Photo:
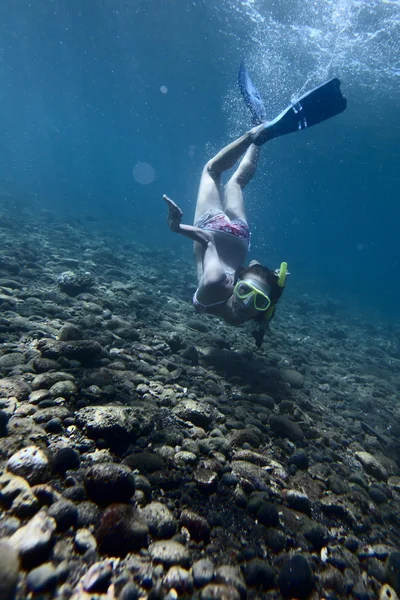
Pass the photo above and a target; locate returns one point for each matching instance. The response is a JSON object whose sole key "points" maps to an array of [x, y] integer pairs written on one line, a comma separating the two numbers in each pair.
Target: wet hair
{"points": [[269, 277]]}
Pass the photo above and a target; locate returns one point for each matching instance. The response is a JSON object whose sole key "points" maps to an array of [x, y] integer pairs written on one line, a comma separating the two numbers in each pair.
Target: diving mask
{"points": [[250, 294]]}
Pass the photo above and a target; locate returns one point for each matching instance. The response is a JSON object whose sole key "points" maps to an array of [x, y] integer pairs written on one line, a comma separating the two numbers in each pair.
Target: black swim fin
{"points": [[320, 104], [251, 96]]}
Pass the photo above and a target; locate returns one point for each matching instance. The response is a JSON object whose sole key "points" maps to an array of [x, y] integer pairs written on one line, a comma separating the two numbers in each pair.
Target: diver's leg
{"points": [[209, 196], [233, 196]]}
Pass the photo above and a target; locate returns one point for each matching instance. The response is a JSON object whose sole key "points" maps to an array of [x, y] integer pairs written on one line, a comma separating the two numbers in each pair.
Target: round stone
{"points": [[42, 579], [30, 463], [296, 578], [65, 514], [9, 566], [121, 530], [170, 553], [107, 483], [160, 520], [203, 572]]}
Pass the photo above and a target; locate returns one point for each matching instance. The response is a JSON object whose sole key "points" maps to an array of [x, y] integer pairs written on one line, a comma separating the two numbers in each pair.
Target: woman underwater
{"points": [[226, 288]]}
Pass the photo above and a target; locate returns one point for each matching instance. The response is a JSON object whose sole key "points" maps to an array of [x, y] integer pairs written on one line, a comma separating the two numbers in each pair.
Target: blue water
{"points": [[91, 89]]}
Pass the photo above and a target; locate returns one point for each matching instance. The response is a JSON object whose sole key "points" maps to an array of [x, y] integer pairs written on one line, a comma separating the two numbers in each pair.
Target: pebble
{"points": [[14, 388], [393, 571], [169, 553], [185, 458], [65, 459], [316, 535], [218, 591], [31, 463], [215, 444], [259, 573], [145, 462], [387, 593], [118, 425], [161, 521], [298, 501], [109, 482], [299, 458], [351, 543], [85, 351], [197, 525], [285, 428], [267, 514], [4, 418], [37, 396], [65, 514], [75, 493], [11, 360], [41, 365], [372, 466], [34, 540], [11, 486], [244, 436], [333, 580], [295, 378], [194, 412], [45, 381], [232, 576], [377, 495], [203, 572], [121, 529], [63, 389], [179, 579], [296, 578], [9, 568], [69, 332], [8, 526], [98, 577], [88, 514], [25, 504], [333, 507], [275, 539], [42, 579], [54, 425], [84, 540], [251, 457], [130, 591], [205, 478]]}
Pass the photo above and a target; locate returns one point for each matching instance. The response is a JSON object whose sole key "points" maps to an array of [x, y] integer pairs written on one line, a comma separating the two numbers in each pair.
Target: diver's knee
{"points": [[211, 170], [237, 180]]}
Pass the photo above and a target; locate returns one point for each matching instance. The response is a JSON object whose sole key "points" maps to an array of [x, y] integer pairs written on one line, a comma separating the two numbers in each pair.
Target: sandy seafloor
{"points": [[149, 452]]}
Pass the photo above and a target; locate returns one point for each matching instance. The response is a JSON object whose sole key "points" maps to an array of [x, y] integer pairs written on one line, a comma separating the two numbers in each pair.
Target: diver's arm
{"points": [[190, 231], [213, 273], [196, 234]]}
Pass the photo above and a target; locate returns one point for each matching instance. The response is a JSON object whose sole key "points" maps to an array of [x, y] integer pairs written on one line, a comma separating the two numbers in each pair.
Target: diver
{"points": [[221, 235]]}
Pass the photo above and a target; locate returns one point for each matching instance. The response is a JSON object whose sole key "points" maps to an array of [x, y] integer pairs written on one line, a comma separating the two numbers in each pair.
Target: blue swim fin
{"points": [[251, 96], [320, 104]]}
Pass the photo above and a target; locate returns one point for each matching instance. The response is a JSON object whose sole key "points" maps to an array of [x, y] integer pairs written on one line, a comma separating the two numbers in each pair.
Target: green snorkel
{"points": [[282, 275]]}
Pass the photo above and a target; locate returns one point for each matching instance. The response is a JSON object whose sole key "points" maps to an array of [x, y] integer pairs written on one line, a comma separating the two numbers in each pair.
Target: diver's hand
{"points": [[174, 214], [258, 335]]}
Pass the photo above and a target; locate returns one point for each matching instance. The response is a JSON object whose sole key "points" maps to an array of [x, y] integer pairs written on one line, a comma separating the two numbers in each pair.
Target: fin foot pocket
{"points": [[320, 104]]}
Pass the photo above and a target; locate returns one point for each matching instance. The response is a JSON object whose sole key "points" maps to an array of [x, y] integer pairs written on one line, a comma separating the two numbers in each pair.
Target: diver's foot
{"points": [[261, 134]]}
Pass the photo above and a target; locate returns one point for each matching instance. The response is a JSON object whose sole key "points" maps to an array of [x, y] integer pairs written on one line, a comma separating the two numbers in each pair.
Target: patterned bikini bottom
{"points": [[221, 222]]}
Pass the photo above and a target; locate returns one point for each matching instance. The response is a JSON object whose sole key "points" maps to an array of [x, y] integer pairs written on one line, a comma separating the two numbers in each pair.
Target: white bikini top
{"points": [[200, 307]]}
